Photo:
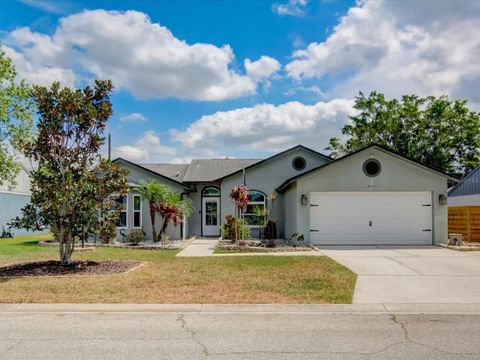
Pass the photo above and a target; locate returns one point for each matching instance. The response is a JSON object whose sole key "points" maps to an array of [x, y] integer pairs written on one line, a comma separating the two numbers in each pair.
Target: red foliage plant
{"points": [[239, 195]]}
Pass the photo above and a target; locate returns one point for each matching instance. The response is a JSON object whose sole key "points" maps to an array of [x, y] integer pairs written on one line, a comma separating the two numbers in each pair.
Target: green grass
{"points": [[23, 246], [168, 279]]}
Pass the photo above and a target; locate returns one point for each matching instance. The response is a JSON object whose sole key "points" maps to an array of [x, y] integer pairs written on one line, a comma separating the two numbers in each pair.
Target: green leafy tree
{"points": [[436, 131], [96, 214], [73, 187], [16, 118]]}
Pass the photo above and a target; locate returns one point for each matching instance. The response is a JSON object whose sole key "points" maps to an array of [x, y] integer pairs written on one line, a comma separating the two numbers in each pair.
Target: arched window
{"points": [[255, 215], [210, 191]]}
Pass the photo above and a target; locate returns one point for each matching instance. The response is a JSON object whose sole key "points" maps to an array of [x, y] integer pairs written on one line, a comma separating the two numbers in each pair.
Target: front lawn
{"points": [[168, 279]]}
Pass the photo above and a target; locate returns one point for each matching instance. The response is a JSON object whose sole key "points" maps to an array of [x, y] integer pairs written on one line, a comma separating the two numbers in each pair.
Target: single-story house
{"points": [[13, 199], [372, 196], [464, 206], [467, 191]]}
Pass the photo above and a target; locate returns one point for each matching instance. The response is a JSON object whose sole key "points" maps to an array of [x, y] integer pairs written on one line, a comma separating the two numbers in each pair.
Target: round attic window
{"points": [[372, 167], [299, 163]]}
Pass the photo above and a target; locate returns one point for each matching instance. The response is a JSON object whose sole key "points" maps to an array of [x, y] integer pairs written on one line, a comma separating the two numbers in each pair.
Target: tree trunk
{"points": [[164, 228], [66, 246], [152, 219]]}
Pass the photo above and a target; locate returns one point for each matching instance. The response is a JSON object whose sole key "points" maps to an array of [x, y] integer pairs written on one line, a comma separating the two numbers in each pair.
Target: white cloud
{"points": [[261, 69], [292, 8], [37, 73], [265, 127], [54, 7], [133, 117], [306, 89], [146, 148], [398, 47], [137, 54]]}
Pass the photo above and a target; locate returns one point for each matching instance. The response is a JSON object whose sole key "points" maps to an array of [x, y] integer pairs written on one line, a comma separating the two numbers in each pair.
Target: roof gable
{"points": [[258, 163], [287, 183], [469, 185]]}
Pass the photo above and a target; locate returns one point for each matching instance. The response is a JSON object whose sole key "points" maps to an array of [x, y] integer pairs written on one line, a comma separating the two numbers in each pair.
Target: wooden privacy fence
{"points": [[465, 220]]}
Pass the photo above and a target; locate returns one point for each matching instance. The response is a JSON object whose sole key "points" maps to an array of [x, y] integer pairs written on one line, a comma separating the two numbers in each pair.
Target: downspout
{"points": [[240, 210], [184, 220]]}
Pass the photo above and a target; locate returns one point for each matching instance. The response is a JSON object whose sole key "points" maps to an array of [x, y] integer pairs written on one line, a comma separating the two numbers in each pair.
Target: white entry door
{"points": [[211, 216], [371, 218]]}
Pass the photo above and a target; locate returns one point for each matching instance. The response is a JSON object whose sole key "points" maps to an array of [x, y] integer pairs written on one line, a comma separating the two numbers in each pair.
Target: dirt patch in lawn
{"points": [[75, 268]]}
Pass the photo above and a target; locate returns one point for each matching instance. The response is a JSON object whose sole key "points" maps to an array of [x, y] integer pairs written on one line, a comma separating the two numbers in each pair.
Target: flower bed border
{"points": [[474, 247], [92, 246], [264, 249]]}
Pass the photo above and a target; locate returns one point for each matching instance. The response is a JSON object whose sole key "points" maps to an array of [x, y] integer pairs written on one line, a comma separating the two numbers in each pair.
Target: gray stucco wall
{"points": [[290, 210], [396, 175], [266, 177], [14, 198], [10, 207], [135, 175], [22, 179]]}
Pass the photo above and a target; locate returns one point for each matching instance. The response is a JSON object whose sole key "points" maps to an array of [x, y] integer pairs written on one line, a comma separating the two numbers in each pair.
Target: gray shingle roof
{"points": [[200, 170], [470, 185], [213, 169], [172, 171]]}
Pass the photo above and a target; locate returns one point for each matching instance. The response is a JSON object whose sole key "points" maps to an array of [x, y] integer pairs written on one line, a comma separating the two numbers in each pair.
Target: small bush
{"points": [[6, 233], [232, 226], [108, 232], [296, 239], [135, 237], [270, 231]]}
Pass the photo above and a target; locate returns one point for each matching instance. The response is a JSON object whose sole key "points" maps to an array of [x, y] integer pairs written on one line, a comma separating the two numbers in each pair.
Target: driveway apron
{"points": [[427, 274]]}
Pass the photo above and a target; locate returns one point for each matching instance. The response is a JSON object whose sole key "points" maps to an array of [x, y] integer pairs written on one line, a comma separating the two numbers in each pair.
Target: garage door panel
{"points": [[338, 239], [335, 223], [412, 211], [407, 239], [396, 218], [405, 224], [375, 198]]}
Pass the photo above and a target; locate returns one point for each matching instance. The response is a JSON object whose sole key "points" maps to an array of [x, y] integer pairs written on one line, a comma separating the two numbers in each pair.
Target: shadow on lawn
{"points": [[28, 243]]}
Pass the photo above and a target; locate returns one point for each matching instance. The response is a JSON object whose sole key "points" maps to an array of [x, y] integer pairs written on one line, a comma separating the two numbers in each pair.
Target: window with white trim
{"points": [[254, 215], [137, 211], [121, 203]]}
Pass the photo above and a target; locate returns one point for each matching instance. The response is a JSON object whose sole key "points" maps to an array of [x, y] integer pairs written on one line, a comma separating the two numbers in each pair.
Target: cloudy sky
{"points": [[196, 79]]}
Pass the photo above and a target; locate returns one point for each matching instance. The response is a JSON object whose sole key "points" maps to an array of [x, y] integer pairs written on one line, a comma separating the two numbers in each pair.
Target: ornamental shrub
{"points": [[234, 228], [135, 237]]}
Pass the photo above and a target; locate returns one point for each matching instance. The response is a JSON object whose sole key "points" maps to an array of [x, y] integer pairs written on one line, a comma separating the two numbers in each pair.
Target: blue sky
{"points": [[241, 78]]}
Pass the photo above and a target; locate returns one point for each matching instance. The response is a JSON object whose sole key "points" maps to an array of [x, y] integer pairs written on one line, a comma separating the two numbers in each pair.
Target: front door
{"points": [[210, 216]]}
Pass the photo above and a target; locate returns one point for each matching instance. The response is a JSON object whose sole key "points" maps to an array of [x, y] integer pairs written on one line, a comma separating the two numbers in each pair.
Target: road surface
{"points": [[270, 332]]}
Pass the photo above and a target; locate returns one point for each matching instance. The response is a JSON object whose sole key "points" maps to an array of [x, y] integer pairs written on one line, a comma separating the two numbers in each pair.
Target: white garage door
{"points": [[371, 218]]}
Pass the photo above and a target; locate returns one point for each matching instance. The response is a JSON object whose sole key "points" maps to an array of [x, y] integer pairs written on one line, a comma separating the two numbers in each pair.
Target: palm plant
{"points": [[155, 194], [173, 210]]}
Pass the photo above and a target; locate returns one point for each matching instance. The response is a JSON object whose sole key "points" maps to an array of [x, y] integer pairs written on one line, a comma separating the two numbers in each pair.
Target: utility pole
{"points": [[109, 147]]}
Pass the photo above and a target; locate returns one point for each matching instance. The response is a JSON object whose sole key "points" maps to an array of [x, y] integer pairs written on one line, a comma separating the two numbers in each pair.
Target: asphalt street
{"points": [[246, 333]]}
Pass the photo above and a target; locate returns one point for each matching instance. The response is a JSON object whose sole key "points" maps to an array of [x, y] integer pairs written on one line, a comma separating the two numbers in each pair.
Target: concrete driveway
{"points": [[411, 274]]}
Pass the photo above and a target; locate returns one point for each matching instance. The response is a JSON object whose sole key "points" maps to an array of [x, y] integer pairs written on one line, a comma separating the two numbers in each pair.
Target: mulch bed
{"points": [[264, 249], [77, 267]]}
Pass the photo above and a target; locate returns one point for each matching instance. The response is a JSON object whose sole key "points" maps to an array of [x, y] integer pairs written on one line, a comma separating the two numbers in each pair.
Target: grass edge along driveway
{"points": [[168, 279]]}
